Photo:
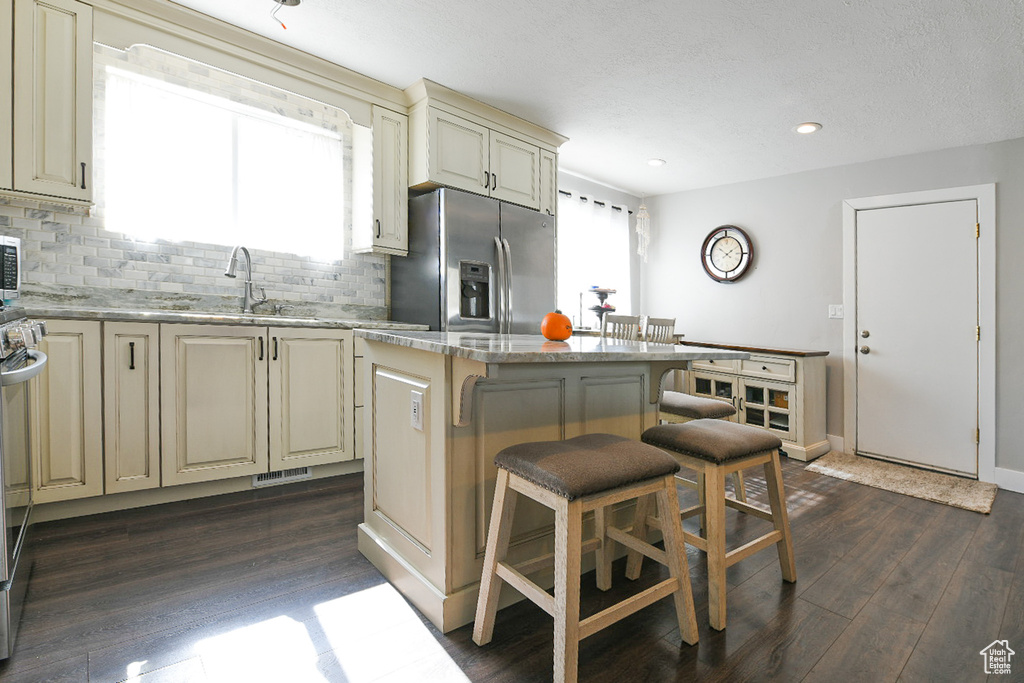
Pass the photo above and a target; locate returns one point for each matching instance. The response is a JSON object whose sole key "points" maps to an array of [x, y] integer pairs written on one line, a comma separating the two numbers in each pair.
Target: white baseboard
{"points": [[1010, 480], [837, 443]]}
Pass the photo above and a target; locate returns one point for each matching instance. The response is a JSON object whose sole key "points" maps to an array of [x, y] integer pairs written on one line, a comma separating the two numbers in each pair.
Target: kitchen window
{"points": [[593, 251], [188, 163]]}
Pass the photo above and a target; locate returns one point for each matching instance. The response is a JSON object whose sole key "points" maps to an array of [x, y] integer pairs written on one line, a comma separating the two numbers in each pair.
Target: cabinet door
{"points": [[53, 98], [515, 170], [65, 414], [213, 402], [311, 410], [390, 182], [548, 182], [457, 152], [6, 94], [131, 402], [710, 385], [770, 405]]}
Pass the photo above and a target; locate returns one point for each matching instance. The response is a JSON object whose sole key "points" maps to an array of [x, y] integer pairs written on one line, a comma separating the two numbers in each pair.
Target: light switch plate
{"points": [[835, 310], [416, 410]]}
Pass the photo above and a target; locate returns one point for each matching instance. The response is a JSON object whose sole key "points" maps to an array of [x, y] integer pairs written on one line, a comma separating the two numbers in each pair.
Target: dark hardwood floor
{"points": [[269, 586]]}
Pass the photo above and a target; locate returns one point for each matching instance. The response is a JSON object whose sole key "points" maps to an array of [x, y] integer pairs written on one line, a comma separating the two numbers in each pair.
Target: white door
{"points": [[917, 317]]}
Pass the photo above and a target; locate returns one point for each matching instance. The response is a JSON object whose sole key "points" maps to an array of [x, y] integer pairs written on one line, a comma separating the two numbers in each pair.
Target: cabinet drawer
{"points": [[770, 368], [731, 366]]}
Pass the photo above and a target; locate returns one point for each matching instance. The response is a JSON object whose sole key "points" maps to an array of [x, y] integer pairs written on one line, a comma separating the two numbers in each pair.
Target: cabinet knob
{"points": [[865, 350], [865, 334]]}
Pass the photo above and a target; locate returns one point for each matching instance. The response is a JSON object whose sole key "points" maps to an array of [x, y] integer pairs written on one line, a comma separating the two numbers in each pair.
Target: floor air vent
{"points": [[281, 477]]}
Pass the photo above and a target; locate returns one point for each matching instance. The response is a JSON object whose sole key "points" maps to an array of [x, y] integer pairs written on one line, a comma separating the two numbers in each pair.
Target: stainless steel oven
{"points": [[20, 361]]}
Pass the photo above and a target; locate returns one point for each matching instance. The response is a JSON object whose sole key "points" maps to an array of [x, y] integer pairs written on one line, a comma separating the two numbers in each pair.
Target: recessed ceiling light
{"points": [[808, 128], [656, 162]]}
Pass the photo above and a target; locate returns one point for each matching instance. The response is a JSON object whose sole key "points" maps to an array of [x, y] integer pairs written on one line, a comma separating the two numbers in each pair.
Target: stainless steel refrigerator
{"points": [[475, 264]]}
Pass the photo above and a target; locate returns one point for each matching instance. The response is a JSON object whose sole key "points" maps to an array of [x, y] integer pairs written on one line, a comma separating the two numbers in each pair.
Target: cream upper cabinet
{"points": [[311, 420], [213, 402], [65, 414], [548, 182], [6, 96], [457, 152], [53, 98], [131, 406], [515, 170], [456, 141], [380, 185]]}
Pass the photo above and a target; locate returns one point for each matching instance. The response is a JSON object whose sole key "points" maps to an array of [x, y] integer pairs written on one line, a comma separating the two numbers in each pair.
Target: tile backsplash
{"points": [[70, 259]]}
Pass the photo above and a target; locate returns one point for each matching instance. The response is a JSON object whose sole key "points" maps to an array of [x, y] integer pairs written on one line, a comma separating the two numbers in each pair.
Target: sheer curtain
{"points": [[184, 165], [593, 250]]}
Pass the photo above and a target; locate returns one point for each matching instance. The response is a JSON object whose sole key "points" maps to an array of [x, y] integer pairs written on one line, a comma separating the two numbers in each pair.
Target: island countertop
{"points": [[529, 348]]}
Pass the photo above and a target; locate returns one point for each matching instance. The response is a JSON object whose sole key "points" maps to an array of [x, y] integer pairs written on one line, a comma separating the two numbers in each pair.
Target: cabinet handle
{"points": [[740, 404], [764, 367], [378, 228], [487, 180], [711, 361], [131, 355], [83, 175], [275, 348], [261, 348], [494, 181]]}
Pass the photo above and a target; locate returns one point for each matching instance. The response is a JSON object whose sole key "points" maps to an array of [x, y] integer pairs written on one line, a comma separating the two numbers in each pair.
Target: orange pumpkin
{"points": [[556, 326]]}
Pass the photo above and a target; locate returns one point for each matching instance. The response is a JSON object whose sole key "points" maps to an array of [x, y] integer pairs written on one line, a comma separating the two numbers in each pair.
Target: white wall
{"points": [[795, 222]]}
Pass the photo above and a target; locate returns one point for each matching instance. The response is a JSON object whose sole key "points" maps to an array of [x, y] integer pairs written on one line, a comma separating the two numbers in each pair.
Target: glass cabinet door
{"points": [[713, 386], [766, 405]]}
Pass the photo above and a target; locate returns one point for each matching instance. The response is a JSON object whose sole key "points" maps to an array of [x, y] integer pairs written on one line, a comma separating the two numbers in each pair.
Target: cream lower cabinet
{"points": [[311, 421], [239, 400], [131, 406], [213, 402], [65, 414]]}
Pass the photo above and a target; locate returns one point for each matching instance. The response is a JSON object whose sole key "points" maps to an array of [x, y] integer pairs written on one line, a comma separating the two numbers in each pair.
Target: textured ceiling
{"points": [[713, 87]]}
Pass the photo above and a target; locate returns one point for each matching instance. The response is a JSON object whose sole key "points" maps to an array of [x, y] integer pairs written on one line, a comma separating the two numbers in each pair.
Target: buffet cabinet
{"points": [[777, 390], [132, 406]]}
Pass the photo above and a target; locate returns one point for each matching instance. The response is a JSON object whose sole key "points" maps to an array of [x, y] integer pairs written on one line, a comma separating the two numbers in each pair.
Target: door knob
{"points": [[865, 349], [865, 334]]}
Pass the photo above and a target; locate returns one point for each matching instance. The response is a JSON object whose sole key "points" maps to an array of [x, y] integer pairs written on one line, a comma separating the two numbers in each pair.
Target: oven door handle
{"points": [[26, 373]]}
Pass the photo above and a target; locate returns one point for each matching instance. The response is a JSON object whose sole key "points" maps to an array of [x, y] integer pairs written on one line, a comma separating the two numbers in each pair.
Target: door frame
{"points": [[985, 195]]}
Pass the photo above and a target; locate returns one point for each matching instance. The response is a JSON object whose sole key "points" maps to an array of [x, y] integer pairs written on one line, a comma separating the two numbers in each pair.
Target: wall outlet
{"points": [[416, 410], [835, 310]]}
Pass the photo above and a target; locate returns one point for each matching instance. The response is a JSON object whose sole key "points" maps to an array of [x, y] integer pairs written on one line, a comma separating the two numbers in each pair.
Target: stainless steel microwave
{"points": [[10, 267]]}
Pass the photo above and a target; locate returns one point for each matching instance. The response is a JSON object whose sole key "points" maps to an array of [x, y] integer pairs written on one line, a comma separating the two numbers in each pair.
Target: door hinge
{"points": [[977, 436], [977, 333], [977, 229]]}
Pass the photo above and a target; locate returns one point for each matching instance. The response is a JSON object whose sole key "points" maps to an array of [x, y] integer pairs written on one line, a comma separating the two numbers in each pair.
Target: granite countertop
{"points": [[129, 315], [529, 348]]}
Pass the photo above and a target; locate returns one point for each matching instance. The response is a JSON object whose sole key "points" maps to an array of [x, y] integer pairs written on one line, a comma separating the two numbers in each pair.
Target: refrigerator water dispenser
{"points": [[475, 286]]}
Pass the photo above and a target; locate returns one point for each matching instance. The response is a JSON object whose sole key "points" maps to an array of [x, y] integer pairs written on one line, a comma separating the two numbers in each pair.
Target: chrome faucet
{"points": [[249, 300]]}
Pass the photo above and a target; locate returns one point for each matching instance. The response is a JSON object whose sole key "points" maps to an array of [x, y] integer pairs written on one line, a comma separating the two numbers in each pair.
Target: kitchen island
{"points": [[441, 405]]}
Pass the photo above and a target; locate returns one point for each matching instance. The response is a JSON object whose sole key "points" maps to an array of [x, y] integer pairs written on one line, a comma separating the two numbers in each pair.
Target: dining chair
{"points": [[661, 330], [624, 327]]}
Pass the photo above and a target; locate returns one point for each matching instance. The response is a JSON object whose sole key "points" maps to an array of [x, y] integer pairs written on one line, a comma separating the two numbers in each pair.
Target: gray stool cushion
{"points": [[587, 464], [694, 407], [712, 440]]}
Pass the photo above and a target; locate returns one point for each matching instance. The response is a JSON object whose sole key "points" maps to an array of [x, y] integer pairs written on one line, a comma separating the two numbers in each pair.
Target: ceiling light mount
{"points": [[280, 3], [807, 128], [656, 162]]}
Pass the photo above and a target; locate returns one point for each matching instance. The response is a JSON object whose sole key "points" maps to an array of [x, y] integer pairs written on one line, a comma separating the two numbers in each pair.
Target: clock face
{"points": [[727, 253]]}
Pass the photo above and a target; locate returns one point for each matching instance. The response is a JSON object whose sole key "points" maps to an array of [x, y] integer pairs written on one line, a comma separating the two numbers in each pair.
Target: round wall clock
{"points": [[727, 253]]}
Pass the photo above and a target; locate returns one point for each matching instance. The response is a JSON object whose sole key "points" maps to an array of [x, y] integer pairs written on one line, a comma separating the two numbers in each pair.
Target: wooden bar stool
{"points": [[679, 408], [715, 448], [572, 477]]}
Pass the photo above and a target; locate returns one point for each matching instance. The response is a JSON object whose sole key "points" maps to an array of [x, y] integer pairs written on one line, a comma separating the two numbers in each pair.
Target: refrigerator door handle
{"points": [[508, 283], [499, 292]]}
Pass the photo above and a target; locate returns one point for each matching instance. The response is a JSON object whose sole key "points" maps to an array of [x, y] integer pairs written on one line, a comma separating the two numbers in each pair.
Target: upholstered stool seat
{"points": [[714, 449], [591, 472], [694, 407]]}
